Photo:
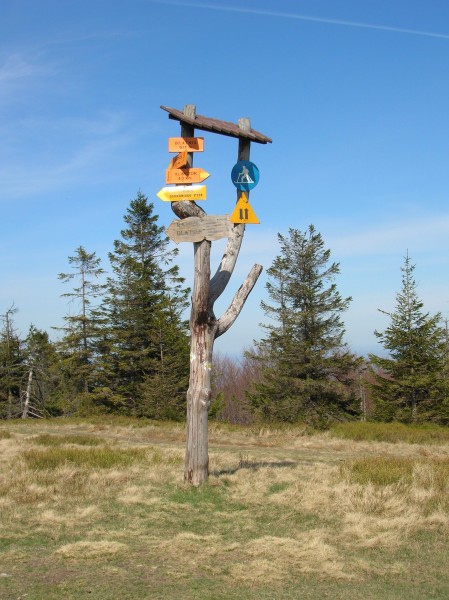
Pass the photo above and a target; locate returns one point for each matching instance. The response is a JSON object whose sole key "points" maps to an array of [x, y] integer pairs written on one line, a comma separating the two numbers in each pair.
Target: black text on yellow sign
{"points": [[243, 212]]}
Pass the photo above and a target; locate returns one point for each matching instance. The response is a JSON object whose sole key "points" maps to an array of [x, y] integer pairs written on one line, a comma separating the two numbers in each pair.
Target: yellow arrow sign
{"points": [[182, 192], [190, 144], [185, 175], [243, 212]]}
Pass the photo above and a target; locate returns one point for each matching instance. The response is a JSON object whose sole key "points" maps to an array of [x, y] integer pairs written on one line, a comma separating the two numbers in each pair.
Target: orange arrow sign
{"points": [[179, 161], [185, 175], [182, 192], [190, 144], [243, 212]]}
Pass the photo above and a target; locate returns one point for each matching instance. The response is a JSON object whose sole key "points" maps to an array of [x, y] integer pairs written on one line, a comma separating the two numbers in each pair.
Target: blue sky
{"points": [[354, 94]]}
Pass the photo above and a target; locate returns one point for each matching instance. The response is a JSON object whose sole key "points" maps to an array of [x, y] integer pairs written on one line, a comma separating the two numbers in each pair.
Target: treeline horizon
{"points": [[125, 348]]}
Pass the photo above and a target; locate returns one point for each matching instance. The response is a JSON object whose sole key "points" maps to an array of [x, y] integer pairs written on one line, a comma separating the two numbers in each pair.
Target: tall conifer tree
{"points": [[308, 366], [410, 383], [78, 346], [11, 360], [41, 390], [145, 352]]}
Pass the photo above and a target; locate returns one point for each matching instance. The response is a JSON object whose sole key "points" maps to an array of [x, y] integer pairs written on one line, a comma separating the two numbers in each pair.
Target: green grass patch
{"points": [[391, 432], [379, 470], [159, 457], [277, 487], [5, 435], [390, 470], [96, 458], [441, 474], [46, 439], [104, 421], [207, 495]]}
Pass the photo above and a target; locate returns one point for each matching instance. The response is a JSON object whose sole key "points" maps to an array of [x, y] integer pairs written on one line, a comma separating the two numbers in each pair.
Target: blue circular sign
{"points": [[245, 175]]}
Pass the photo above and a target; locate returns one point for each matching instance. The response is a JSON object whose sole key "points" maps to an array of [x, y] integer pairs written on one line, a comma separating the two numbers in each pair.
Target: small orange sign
{"points": [[243, 212], [179, 161], [190, 144], [185, 175]]}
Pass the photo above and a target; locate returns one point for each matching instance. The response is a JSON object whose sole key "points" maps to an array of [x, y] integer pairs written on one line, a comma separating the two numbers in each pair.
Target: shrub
{"points": [[391, 432], [46, 439], [97, 458]]}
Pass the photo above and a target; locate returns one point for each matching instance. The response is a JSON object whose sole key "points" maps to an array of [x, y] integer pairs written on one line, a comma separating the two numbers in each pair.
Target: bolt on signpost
{"points": [[194, 225]]}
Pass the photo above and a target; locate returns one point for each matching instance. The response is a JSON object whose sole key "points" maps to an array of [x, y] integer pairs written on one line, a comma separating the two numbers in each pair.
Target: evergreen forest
{"points": [[124, 346]]}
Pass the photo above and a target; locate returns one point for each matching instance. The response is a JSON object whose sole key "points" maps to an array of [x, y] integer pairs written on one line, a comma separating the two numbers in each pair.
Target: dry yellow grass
{"points": [[278, 509], [85, 550]]}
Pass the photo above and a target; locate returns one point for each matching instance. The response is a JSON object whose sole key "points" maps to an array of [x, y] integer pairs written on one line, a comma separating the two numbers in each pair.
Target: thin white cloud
{"points": [[300, 17], [419, 233], [75, 150], [20, 64], [34, 64], [359, 252], [15, 67], [17, 70]]}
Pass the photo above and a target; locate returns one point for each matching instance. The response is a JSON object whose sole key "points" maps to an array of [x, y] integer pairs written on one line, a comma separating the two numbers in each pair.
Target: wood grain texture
{"points": [[196, 229]]}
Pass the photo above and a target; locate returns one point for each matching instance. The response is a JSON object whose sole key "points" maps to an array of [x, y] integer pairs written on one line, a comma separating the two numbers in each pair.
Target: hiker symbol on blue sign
{"points": [[245, 175]]}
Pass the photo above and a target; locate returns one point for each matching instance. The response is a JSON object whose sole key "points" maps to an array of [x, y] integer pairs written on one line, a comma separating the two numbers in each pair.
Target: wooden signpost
{"points": [[205, 327], [195, 229]]}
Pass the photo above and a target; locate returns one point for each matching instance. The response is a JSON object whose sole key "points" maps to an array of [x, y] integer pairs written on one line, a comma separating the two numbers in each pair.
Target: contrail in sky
{"points": [[272, 13]]}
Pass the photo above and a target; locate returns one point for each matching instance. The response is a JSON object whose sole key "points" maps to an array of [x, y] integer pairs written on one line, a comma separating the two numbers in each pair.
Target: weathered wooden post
{"points": [[204, 325]]}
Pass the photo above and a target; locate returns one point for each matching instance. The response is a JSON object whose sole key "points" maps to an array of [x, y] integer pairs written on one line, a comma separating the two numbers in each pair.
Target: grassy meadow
{"points": [[98, 509]]}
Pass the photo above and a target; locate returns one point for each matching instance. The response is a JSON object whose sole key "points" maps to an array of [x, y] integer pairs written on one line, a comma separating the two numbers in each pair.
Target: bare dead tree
{"points": [[231, 379]]}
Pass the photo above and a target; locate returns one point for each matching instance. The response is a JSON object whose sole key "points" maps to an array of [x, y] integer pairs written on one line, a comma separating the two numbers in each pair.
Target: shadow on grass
{"points": [[245, 463]]}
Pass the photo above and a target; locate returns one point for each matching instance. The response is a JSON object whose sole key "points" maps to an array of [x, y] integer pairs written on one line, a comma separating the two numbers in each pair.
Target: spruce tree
{"points": [[11, 362], [41, 381], [307, 366], [78, 347], [410, 384], [145, 349]]}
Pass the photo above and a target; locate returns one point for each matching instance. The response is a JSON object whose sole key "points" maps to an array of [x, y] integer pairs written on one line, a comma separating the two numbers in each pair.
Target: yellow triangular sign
{"points": [[243, 212]]}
